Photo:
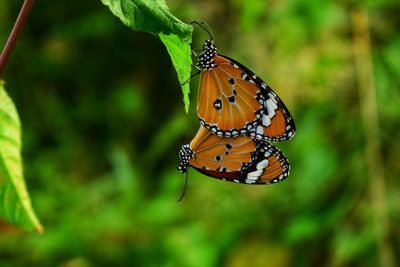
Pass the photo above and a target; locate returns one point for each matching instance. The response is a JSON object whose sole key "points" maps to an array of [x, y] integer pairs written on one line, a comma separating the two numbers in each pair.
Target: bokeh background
{"points": [[102, 116]]}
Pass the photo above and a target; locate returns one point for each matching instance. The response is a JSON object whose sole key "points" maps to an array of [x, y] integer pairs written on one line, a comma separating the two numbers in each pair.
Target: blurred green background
{"points": [[102, 116]]}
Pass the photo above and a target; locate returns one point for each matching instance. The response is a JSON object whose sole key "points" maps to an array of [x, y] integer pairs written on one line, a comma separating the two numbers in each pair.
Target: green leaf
{"points": [[180, 53], [15, 205], [154, 17]]}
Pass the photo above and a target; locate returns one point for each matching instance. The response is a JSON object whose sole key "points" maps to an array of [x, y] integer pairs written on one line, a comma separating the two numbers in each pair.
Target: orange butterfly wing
{"points": [[220, 154], [276, 123], [237, 159], [271, 166], [227, 103]]}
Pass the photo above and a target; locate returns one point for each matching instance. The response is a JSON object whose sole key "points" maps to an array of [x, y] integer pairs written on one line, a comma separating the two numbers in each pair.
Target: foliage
{"points": [[154, 17], [101, 118], [15, 205]]}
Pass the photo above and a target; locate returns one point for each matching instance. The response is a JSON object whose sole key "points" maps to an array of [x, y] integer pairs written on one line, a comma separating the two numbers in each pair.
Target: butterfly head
{"points": [[185, 154], [209, 45]]}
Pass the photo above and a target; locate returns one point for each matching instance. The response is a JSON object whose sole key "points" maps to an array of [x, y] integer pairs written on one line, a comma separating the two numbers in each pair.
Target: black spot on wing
{"points": [[217, 104]]}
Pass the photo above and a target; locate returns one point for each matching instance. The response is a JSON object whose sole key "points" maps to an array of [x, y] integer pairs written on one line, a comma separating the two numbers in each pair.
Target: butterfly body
{"points": [[234, 101]]}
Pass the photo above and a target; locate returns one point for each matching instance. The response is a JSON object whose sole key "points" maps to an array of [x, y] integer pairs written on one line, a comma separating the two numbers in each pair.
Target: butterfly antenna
{"points": [[206, 27], [184, 188], [209, 31]]}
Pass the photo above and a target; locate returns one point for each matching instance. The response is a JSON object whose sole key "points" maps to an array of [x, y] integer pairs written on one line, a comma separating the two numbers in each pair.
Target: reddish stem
{"points": [[12, 39]]}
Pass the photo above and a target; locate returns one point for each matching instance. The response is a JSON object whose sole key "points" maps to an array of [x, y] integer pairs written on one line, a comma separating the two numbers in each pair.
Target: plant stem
{"points": [[12, 39]]}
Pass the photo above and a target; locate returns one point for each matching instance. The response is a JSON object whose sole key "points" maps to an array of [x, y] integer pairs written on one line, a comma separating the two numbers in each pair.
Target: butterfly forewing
{"points": [[220, 154], [228, 104]]}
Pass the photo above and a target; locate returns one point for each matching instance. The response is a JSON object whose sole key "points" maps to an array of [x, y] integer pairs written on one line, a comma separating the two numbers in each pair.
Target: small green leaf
{"points": [[154, 17], [15, 205], [180, 53]]}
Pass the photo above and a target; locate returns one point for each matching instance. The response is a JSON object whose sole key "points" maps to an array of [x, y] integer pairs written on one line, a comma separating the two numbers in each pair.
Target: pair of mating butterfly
{"points": [[238, 113]]}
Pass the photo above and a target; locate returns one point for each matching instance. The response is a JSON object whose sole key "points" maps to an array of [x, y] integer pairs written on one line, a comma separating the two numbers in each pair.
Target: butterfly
{"points": [[234, 101], [238, 159]]}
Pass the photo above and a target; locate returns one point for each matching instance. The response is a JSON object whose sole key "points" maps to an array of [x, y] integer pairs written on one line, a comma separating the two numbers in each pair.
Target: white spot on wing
{"points": [[252, 177], [262, 164], [273, 103], [272, 96], [260, 130], [255, 174], [266, 121], [270, 108]]}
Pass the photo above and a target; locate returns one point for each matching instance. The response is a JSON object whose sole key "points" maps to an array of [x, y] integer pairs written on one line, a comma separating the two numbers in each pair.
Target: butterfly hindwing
{"points": [[270, 166], [276, 123]]}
